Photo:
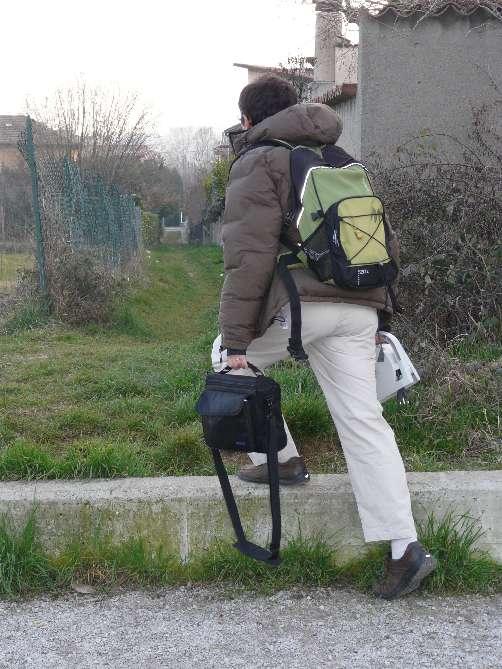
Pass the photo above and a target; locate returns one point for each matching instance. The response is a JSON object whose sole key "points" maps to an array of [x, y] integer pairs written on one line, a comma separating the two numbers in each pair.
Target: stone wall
{"points": [[187, 513], [418, 79]]}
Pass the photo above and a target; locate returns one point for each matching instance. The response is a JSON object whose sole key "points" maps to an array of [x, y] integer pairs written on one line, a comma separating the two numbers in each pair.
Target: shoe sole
{"points": [[430, 563], [299, 480], [427, 567]]}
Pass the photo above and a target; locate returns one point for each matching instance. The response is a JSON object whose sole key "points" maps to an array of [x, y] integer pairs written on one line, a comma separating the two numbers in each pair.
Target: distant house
{"points": [[256, 71], [11, 128], [420, 73]]}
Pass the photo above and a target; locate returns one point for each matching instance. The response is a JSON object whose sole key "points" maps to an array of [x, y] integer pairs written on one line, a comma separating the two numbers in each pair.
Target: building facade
{"points": [[420, 76], [11, 128]]}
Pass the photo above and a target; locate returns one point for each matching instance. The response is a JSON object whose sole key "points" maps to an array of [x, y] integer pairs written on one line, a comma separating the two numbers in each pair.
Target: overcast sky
{"points": [[178, 55]]}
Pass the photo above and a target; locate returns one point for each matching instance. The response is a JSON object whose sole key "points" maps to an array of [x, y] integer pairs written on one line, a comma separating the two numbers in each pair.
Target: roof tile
{"points": [[435, 8]]}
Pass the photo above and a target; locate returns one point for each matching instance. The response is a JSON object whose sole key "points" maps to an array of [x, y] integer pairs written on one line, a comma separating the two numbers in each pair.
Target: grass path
{"points": [[109, 402], [10, 265], [119, 401]]}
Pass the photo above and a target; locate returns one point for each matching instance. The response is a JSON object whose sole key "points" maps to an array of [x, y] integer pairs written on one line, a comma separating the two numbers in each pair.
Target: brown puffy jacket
{"points": [[256, 200]]}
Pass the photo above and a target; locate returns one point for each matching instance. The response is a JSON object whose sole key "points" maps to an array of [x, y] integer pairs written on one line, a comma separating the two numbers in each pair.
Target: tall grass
{"points": [[119, 400], [452, 539], [24, 566]]}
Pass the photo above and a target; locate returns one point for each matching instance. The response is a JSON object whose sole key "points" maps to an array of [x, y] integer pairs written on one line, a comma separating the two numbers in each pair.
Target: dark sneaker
{"points": [[292, 472], [405, 575]]}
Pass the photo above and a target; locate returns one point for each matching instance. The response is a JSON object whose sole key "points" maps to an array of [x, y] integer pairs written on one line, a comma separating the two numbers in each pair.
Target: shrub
{"points": [[215, 185], [447, 216], [82, 290], [150, 229]]}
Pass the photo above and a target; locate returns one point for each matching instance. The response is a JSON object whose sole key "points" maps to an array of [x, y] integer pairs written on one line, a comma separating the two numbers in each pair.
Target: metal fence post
{"points": [[39, 239]]}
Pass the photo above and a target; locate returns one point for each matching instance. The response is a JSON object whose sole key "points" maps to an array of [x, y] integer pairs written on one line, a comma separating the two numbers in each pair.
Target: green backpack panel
{"points": [[341, 223]]}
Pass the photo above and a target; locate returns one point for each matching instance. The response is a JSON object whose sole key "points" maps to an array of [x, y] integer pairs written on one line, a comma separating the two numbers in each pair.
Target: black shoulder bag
{"points": [[243, 413]]}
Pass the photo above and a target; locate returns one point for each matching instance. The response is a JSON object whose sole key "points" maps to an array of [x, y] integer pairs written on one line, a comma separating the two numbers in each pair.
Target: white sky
{"points": [[177, 55]]}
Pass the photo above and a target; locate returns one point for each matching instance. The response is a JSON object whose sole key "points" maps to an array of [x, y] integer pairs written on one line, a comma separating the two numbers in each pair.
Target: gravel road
{"points": [[207, 627]]}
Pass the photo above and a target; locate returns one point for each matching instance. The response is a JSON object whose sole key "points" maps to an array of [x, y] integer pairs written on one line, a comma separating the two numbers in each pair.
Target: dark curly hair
{"points": [[265, 97]]}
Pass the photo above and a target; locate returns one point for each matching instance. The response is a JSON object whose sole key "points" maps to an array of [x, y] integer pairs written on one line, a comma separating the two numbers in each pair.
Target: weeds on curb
{"points": [[24, 566], [308, 563], [452, 540], [26, 569]]}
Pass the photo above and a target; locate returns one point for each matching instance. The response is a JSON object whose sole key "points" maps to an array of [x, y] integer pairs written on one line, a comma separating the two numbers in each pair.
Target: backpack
{"points": [[342, 232]]}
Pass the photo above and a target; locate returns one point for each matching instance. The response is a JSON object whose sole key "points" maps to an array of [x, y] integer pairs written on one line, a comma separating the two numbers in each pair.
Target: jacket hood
{"points": [[304, 123]]}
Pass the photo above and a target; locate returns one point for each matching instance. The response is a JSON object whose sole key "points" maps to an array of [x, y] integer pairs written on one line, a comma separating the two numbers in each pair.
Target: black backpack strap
{"points": [[336, 156], [271, 557], [396, 307], [269, 142], [295, 347]]}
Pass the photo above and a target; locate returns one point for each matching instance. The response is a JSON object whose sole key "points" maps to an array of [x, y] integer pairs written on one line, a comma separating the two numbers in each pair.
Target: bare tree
{"points": [[101, 130], [300, 73], [108, 133], [191, 151], [348, 8]]}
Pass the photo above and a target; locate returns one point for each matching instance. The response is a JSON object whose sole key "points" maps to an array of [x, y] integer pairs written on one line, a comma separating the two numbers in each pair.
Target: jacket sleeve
{"points": [[251, 229]]}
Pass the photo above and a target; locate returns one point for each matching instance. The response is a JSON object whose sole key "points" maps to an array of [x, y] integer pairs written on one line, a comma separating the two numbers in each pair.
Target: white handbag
{"points": [[395, 372]]}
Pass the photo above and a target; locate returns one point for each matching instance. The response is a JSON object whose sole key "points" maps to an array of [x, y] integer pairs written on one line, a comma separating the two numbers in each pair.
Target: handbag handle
{"points": [[252, 367]]}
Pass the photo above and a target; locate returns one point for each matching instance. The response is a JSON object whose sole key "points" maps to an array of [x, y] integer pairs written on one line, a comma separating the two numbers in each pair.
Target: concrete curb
{"points": [[187, 513]]}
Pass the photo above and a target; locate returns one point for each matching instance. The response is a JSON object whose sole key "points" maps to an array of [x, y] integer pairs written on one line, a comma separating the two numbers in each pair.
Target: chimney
{"points": [[328, 30]]}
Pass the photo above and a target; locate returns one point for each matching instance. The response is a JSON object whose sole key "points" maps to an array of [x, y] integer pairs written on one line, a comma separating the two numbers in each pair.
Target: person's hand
{"points": [[379, 339], [237, 361]]}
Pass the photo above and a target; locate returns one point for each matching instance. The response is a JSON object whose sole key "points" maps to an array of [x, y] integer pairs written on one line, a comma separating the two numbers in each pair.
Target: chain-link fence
{"points": [[72, 213]]}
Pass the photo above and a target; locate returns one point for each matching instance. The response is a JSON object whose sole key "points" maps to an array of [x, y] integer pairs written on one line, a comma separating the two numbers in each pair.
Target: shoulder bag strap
{"points": [[271, 557], [275, 500]]}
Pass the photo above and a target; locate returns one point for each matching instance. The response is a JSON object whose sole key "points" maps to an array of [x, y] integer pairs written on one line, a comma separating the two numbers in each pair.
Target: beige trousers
{"points": [[340, 342]]}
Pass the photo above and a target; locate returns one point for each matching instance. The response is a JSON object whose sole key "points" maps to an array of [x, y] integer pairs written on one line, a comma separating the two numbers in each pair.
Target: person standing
{"points": [[338, 325]]}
